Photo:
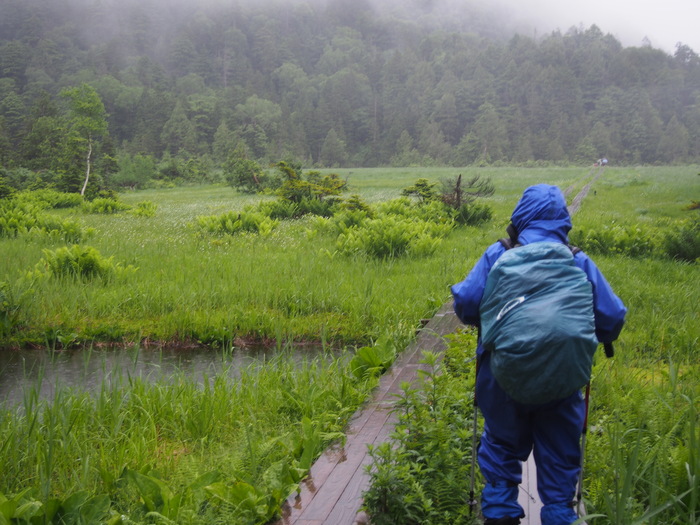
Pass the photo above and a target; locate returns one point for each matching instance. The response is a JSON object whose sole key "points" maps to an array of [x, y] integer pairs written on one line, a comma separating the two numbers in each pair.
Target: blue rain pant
{"points": [[512, 430]]}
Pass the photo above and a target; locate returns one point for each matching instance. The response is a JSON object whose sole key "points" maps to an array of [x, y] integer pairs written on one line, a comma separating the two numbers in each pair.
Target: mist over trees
{"points": [[326, 83]]}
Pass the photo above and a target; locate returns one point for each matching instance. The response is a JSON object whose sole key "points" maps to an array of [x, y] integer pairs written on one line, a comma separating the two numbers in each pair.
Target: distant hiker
{"points": [[513, 429], [604, 161]]}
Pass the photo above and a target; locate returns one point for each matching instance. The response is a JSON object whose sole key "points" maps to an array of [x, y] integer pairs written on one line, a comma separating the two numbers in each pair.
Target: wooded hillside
{"points": [[330, 83]]}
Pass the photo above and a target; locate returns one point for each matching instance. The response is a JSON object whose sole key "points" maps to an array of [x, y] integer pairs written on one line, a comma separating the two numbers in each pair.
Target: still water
{"points": [[88, 369]]}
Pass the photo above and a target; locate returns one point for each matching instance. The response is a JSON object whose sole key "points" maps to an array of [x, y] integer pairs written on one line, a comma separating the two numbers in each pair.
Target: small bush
{"points": [[390, 236], [423, 475], [434, 211], [402, 207], [232, 223], [633, 241], [349, 219], [278, 209], [684, 241], [19, 218], [473, 214], [355, 203], [48, 198], [144, 209], [79, 262], [105, 205], [322, 208]]}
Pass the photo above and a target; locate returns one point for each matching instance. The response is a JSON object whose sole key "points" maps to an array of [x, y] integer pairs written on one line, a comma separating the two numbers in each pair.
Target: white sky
{"points": [[664, 22]]}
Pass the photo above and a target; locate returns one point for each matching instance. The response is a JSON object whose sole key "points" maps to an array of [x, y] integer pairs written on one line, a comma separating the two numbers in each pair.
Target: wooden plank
{"points": [[332, 493], [528, 497], [347, 507], [355, 452]]}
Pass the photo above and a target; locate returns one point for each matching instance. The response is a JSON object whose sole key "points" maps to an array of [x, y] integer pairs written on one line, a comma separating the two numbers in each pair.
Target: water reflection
{"points": [[46, 371]]}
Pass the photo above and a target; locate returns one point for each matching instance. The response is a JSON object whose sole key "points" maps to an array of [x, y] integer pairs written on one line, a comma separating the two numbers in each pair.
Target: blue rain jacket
{"points": [[512, 430], [541, 215]]}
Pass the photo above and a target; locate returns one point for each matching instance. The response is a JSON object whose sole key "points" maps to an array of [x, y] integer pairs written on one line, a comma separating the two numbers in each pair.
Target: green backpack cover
{"points": [[537, 322]]}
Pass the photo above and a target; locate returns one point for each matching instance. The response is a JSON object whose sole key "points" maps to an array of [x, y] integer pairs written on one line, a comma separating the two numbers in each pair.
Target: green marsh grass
{"points": [[176, 430], [292, 285]]}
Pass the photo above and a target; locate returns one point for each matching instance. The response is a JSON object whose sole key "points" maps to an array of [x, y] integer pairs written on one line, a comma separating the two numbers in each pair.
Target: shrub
{"points": [[288, 209], [134, 170], [684, 241], [355, 203], [144, 209], [6, 191], [323, 208], [473, 214], [79, 262], [633, 241], [49, 198], [434, 211], [390, 236], [19, 218], [422, 476], [402, 207], [279, 209], [245, 175], [105, 205], [232, 223], [349, 219], [314, 186], [423, 189]]}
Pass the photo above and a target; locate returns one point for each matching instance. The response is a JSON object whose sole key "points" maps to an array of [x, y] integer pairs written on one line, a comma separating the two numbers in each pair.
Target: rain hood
{"points": [[541, 215]]}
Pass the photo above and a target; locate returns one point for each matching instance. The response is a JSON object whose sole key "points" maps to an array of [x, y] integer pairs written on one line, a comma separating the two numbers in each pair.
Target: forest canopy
{"points": [[328, 84]]}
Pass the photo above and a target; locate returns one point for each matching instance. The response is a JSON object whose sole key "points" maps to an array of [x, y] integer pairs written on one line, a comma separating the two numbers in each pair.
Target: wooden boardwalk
{"points": [[332, 492]]}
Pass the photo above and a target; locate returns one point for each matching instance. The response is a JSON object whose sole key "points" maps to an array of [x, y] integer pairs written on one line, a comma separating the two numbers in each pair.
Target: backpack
{"points": [[537, 322]]}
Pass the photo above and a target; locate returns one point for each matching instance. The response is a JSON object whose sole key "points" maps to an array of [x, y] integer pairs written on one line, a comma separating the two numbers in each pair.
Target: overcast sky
{"points": [[664, 22]]}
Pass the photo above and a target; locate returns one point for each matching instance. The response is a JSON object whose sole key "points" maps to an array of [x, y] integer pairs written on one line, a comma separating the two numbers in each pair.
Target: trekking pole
{"points": [[579, 492], [609, 352], [472, 499]]}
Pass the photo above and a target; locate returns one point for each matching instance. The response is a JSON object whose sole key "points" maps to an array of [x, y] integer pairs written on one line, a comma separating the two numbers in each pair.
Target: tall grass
{"points": [[642, 460], [138, 432], [143, 443]]}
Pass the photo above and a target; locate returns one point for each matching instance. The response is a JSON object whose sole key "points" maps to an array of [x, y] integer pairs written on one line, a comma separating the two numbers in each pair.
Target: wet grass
{"points": [[292, 286]]}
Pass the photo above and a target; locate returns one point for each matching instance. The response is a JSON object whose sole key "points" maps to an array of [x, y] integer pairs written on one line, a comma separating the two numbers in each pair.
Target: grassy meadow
{"points": [[230, 451]]}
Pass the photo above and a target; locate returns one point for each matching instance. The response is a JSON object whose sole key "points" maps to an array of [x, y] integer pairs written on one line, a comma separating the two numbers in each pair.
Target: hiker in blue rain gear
{"points": [[551, 431]]}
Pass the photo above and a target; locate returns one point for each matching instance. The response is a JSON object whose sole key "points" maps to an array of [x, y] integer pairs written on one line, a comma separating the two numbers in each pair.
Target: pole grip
{"points": [[609, 350]]}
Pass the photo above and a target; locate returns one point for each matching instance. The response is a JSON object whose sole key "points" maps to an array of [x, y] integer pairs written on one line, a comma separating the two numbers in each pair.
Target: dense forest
{"points": [[140, 90]]}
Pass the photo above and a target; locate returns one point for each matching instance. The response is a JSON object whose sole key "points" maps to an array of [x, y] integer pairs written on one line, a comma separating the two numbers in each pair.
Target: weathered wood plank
{"points": [[528, 497], [332, 493]]}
